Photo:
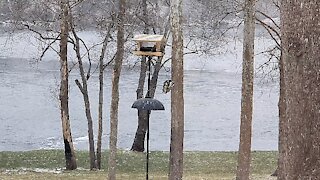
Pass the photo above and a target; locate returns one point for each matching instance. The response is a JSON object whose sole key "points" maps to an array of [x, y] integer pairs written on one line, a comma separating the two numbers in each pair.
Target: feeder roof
{"points": [[147, 104], [148, 38]]}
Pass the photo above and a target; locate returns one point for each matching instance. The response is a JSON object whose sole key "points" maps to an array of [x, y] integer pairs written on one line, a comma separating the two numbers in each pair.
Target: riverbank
{"points": [[49, 164], [212, 109]]}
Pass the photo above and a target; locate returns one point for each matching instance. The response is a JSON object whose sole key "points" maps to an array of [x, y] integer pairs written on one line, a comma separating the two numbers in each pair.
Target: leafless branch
{"points": [[89, 59], [73, 65], [79, 85], [40, 34], [270, 18], [109, 62], [270, 30], [48, 47]]}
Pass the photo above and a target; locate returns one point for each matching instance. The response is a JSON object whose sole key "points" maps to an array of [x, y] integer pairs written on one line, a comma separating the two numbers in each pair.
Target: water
{"points": [[30, 116]]}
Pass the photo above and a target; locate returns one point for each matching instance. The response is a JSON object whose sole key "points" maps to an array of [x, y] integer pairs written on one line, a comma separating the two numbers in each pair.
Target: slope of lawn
{"points": [[49, 164]]}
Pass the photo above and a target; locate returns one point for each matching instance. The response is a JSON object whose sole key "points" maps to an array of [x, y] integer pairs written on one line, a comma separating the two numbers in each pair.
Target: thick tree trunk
{"points": [[64, 90], [177, 101], [300, 43], [244, 157], [138, 144], [115, 92]]}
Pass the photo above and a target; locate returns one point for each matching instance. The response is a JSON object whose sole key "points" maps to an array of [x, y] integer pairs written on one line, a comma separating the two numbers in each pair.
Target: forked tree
{"points": [[138, 143]]}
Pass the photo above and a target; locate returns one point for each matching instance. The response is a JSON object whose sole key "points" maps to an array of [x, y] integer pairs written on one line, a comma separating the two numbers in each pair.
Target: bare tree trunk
{"points": [[282, 119], [177, 101], [300, 42], [115, 92], [100, 108], [64, 91], [84, 90], [244, 157], [100, 112], [138, 144], [143, 68]]}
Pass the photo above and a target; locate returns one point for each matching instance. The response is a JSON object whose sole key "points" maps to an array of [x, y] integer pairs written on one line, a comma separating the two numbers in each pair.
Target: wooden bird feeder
{"points": [[149, 45]]}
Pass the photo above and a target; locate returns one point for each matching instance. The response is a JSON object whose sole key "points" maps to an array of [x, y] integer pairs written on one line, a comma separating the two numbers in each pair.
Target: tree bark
{"points": [[301, 47], [244, 157], [70, 156], [100, 107], [138, 144], [100, 110], [115, 92], [282, 117], [177, 101], [84, 90]]}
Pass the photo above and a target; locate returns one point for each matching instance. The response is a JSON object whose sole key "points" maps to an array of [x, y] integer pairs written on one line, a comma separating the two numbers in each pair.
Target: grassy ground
{"points": [[48, 164]]}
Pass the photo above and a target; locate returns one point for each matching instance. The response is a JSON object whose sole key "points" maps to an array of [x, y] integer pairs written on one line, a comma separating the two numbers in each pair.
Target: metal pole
{"points": [[149, 74], [148, 117], [148, 135]]}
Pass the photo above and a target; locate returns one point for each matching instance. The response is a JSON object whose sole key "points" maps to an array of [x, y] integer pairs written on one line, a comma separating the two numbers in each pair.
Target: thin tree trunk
{"points": [[244, 157], [100, 108], [300, 126], [84, 90], [64, 91], [177, 101], [115, 92], [282, 118], [100, 113]]}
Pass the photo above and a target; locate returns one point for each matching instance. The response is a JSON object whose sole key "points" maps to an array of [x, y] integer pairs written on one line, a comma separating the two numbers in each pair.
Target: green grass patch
{"points": [[131, 165]]}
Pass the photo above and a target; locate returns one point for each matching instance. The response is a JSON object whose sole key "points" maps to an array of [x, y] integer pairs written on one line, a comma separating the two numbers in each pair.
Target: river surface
{"points": [[30, 119]]}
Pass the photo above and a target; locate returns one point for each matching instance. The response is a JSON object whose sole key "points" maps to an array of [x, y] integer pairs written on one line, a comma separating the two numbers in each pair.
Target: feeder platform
{"points": [[149, 45]]}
